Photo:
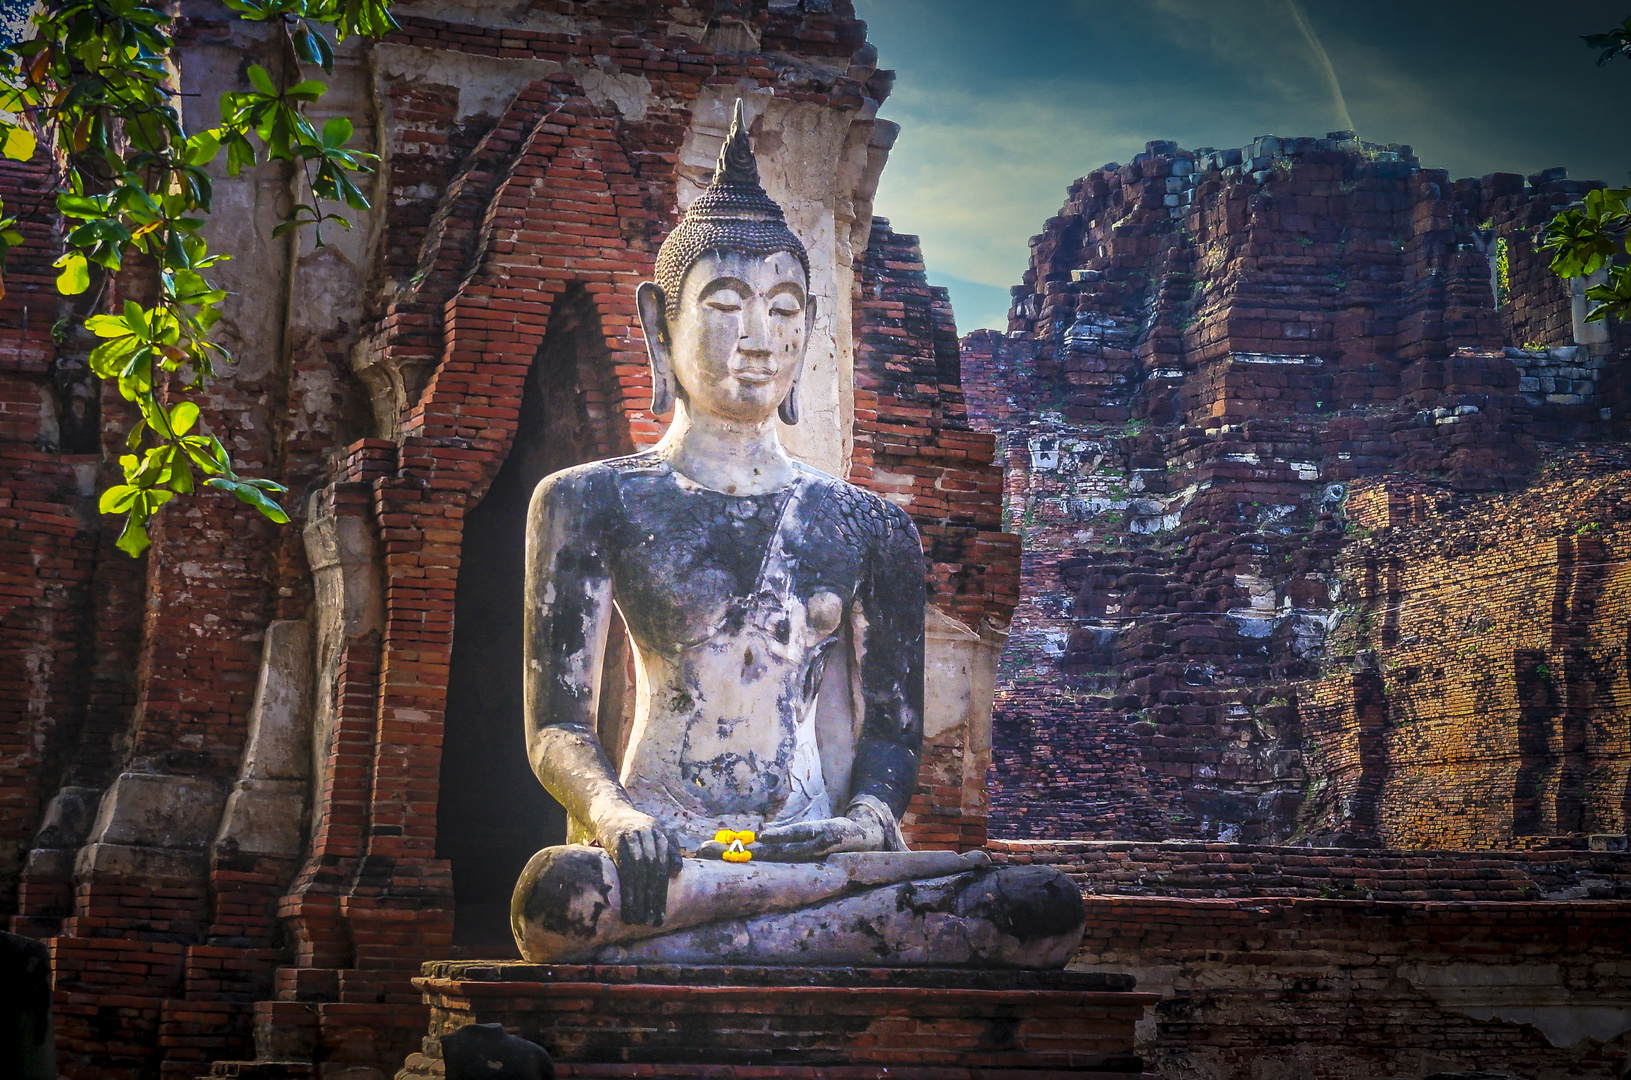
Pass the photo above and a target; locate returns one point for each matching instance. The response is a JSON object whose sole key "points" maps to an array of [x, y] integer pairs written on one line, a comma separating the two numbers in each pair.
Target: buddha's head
{"points": [[728, 318]]}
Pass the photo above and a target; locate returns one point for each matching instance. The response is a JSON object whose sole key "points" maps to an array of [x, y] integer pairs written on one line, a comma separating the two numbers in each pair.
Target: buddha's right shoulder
{"points": [[595, 482]]}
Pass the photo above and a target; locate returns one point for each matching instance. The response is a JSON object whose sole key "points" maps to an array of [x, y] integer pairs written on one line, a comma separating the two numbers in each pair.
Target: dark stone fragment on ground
{"points": [[488, 1052], [27, 1050]]}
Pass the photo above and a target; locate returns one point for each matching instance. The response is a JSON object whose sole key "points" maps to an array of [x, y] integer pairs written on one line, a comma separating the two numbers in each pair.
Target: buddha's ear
{"points": [[654, 323], [788, 410]]}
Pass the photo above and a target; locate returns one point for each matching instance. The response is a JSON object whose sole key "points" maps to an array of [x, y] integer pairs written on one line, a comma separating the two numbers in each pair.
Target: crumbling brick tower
{"points": [[1219, 370], [250, 783]]}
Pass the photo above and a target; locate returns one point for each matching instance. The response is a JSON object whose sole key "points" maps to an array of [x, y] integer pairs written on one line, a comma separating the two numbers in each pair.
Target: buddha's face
{"points": [[738, 339]]}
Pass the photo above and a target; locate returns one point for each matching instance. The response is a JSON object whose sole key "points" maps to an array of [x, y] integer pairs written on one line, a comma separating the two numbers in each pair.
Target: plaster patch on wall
{"points": [[630, 95], [1530, 994], [484, 85], [1566, 1027]]}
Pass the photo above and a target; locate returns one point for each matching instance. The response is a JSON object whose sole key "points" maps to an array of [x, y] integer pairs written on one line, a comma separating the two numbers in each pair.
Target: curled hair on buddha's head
{"points": [[733, 215]]}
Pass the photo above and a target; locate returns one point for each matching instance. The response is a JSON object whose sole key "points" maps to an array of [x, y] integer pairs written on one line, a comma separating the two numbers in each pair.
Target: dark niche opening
{"points": [[493, 814]]}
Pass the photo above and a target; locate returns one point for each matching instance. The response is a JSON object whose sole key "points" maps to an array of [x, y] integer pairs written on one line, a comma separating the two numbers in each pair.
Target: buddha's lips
{"points": [[755, 376]]}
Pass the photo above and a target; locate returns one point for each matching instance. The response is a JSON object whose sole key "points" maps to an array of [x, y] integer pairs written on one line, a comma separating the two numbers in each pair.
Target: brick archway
{"points": [[492, 814], [549, 216]]}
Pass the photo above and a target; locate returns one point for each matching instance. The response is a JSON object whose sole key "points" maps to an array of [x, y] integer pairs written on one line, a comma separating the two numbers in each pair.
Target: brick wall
{"points": [[914, 446], [1203, 870], [913, 442], [1353, 989], [1483, 697], [1211, 352]]}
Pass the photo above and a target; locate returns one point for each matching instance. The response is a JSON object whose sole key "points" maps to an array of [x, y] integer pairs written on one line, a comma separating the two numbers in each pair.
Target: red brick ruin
{"points": [[1315, 674]]}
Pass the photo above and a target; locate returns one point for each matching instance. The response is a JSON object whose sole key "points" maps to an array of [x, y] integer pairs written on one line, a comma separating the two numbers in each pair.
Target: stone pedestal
{"points": [[774, 1022]]}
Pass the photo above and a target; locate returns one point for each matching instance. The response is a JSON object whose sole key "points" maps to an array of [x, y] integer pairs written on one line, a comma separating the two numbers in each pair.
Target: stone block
{"points": [[68, 817], [160, 865], [959, 1022], [159, 810], [264, 817]]}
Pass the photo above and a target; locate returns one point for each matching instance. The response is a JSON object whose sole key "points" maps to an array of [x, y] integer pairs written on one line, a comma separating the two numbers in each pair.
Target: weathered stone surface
{"points": [[1198, 402], [827, 914], [488, 1052], [159, 811], [952, 1024], [266, 811]]}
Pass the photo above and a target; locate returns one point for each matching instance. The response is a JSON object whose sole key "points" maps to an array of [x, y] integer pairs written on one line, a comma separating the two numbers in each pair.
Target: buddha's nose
{"points": [[755, 337]]}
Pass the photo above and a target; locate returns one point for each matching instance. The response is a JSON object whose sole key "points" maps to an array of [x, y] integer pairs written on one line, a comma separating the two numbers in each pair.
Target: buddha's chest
{"points": [[694, 566]]}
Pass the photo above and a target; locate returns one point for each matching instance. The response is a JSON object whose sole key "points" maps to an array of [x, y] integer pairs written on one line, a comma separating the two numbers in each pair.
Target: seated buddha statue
{"points": [[751, 588]]}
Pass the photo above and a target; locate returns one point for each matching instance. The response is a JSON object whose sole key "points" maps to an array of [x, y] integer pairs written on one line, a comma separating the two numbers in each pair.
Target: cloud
{"points": [[1002, 106], [1324, 62], [979, 167]]}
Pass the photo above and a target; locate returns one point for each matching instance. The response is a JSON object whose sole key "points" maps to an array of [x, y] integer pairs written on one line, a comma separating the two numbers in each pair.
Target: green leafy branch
{"points": [[1588, 238], [1592, 237], [1617, 42], [96, 84]]}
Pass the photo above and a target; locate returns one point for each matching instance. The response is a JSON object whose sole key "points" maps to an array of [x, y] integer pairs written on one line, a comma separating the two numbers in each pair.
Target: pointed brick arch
{"points": [[549, 202], [571, 208]]}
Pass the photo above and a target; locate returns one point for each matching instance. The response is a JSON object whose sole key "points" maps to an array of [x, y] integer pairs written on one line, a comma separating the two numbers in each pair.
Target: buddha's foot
{"points": [[856, 910], [1013, 917]]}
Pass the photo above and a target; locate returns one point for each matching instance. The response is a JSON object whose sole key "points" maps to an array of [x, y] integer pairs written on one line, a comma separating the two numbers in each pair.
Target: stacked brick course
{"points": [[1211, 353], [1486, 701], [913, 443], [1353, 989], [1204, 870], [787, 1023], [914, 446]]}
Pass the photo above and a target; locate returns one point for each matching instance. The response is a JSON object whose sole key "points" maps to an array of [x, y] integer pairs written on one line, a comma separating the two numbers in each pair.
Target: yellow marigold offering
{"points": [[734, 841]]}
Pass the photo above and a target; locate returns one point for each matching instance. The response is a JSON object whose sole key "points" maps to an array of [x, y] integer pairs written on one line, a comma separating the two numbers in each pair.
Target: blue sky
{"points": [[1002, 103]]}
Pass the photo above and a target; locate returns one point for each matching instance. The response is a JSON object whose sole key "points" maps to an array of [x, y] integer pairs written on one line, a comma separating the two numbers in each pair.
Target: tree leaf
{"points": [[240, 155], [181, 475], [183, 415], [307, 90], [337, 132], [262, 81], [253, 496], [75, 277], [109, 359], [117, 499], [133, 540], [17, 143], [108, 326]]}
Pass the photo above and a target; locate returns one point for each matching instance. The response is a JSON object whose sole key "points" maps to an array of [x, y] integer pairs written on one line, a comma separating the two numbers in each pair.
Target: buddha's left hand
{"points": [[807, 841]]}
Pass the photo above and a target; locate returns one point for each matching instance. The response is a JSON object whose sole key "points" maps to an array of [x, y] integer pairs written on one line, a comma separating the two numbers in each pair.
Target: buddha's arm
{"points": [[891, 668], [568, 602]]}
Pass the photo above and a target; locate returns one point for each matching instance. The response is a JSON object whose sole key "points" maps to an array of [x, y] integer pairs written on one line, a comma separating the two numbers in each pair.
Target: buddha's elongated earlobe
{"points": [[788, 410], [654, 323]]}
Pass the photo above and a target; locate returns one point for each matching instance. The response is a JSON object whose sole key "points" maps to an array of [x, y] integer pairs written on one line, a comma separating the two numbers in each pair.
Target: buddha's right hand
{"points": [[646, 856]]}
